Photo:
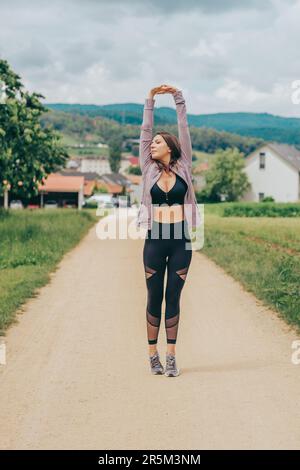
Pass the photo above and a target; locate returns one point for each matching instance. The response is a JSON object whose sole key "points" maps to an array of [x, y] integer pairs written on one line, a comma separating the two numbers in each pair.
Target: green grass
{"points": [[68, 139], [31, 245], [262, 253], [216, 208]]}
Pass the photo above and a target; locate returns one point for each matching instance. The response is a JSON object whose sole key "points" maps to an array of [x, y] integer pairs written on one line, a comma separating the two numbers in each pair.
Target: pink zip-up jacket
{"points": [[152, 169]]}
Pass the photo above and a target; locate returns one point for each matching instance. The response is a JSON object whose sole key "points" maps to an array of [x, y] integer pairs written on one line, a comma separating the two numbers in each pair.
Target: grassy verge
{"points": [[263, 254], [31, 245]]}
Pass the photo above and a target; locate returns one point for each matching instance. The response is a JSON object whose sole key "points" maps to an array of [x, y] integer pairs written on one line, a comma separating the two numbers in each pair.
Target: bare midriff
{"points": [[168, 214], [165, 213]]}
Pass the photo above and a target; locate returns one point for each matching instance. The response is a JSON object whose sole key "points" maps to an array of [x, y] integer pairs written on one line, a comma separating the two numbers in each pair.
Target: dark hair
{"points": [[174, 144]]}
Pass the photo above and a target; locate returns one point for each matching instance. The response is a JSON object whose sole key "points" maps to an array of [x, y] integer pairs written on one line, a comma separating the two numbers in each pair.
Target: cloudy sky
{"points": [[235, 55]]}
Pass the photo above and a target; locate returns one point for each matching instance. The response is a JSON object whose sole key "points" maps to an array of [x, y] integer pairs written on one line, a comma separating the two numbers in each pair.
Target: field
{"points": [[263, 253], [31, 245]]}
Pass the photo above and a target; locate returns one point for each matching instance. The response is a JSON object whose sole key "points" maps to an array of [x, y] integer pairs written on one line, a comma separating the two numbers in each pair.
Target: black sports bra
{"points": [[174, 196]]}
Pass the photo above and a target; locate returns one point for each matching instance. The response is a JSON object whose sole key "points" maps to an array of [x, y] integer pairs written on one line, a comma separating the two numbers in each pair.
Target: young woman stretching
{"points": [[166, 164]]}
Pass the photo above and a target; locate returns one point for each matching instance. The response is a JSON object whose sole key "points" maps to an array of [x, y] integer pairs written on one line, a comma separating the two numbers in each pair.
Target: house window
{"points": [[261, 196], [262, 160]]}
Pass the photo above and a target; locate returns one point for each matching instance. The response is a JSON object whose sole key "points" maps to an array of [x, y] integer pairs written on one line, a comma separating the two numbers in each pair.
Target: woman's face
{"points": [[159, 148]]}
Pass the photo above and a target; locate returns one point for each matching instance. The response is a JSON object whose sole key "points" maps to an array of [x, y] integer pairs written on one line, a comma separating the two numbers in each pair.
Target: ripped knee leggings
{"points": [[165, 250]]}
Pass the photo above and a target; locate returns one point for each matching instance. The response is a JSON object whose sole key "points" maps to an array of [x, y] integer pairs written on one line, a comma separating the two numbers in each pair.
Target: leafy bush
{"points": [[263, 209], [268, 199], [90, 205]]}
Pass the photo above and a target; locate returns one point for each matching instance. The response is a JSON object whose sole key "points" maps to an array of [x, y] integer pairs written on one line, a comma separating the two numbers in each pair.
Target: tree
{"points": [[226, 178], [28, 152], [115, 151]]}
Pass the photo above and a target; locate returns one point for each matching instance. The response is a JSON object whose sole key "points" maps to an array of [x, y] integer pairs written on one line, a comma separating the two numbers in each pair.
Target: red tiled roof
{"points": [[88, 187], [134, 160], [60, 183], [112, 188]]}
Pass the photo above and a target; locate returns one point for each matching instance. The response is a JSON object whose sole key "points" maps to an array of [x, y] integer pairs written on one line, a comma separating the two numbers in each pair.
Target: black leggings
{"points": [[166, 250]]}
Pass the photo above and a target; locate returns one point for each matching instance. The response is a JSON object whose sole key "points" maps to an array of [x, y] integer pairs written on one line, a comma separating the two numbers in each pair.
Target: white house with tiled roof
{"points": [[273, 170]]}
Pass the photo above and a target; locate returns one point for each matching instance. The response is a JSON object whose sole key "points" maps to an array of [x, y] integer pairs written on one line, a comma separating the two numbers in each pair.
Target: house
{"points": [[97, 164], [92, 163], [62, 189], [91, 180], [273, 170], [66, 191], [113, 183], [117, 184]]}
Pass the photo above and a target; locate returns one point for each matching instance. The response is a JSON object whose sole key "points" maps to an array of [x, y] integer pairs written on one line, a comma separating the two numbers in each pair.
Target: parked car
{"points": [[16, 204], [70, 204], [33, 206], [50, 204], [99, 198]]}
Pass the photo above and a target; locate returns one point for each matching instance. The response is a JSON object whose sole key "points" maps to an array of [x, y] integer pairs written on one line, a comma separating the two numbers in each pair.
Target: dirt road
{"points": [[77, 374]]}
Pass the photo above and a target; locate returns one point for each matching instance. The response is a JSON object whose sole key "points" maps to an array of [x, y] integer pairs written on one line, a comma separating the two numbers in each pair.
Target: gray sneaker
{"points": [[156, 366], [171, 367]]}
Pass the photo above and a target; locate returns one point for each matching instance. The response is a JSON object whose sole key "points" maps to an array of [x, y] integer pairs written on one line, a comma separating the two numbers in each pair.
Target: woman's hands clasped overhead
{"points": [[162, 89]]}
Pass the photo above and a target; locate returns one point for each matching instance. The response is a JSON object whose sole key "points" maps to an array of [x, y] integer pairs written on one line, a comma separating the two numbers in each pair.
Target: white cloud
{"points": [[235, 92], [226, 56]]}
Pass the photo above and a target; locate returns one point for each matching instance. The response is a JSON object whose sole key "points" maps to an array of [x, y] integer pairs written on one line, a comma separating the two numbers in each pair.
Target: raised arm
{"points": [[146, 134], [183, 129]]}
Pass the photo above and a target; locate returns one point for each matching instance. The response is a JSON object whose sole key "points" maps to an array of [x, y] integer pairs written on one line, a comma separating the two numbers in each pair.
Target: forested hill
{"points": [[262, 125]]}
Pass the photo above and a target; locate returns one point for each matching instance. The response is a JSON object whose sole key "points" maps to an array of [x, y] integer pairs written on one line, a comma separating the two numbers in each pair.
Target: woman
{"points": [[166, 164]]}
